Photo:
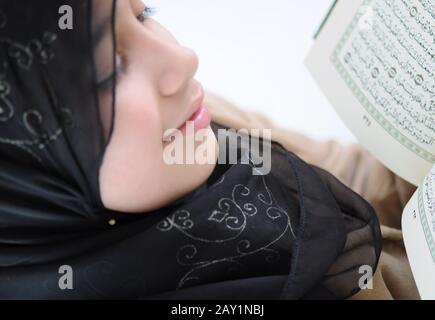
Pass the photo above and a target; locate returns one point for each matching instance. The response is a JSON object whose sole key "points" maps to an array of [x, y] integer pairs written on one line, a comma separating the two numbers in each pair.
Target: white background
{"points": [[252, 53]]}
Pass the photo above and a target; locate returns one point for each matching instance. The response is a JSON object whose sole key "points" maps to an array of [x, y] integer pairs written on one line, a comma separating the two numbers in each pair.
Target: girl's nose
{"points": [[179, 71]]}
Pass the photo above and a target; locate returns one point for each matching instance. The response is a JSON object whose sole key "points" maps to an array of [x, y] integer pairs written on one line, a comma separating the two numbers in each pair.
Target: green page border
{"points": [[363, 99], [424, 224]]}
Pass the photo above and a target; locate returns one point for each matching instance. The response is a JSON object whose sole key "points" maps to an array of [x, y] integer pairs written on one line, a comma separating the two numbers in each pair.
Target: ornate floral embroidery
{"points": [[41, 49], [233, 213], [25, 55], [6, 108]]}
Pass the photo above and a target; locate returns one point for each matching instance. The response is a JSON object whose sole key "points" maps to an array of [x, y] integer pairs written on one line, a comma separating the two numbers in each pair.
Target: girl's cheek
{"points": [[138, 116]]}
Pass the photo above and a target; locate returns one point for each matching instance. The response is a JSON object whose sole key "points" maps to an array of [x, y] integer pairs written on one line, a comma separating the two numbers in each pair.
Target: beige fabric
{"points": [[360, 171]]}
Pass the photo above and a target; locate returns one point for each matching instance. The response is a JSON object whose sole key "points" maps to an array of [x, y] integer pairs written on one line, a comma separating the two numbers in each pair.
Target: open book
{"points": [[375, 62]]}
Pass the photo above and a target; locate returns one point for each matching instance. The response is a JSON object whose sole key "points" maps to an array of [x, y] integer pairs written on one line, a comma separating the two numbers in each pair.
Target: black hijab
{"points": [[296, 232]]}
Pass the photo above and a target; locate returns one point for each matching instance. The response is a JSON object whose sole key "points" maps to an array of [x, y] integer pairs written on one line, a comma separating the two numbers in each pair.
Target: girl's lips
{"points": [[201, 119]]}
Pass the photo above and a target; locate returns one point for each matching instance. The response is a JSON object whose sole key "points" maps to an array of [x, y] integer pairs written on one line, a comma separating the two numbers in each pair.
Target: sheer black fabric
{"points": [[295, 233]]}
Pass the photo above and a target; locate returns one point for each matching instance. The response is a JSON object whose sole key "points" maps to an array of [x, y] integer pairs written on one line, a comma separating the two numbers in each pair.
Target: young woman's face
{"points": [[155, 91]]}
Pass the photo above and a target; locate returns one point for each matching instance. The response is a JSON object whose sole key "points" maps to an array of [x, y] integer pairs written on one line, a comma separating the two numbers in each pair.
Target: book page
{"points": [[418, 226], [374, 60]]}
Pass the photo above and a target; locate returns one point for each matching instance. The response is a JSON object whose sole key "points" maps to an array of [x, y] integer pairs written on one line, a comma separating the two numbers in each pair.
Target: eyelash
{"points": [[146, 13], [142, 17]]}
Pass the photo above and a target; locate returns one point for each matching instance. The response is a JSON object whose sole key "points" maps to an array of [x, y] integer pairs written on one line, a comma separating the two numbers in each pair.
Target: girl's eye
{"points": [[109, 82], [147, 12]]}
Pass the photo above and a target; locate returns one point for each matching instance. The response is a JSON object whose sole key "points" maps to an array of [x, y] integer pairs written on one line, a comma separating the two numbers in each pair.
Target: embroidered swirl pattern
{"points": [[24, 56], [231, 215]]}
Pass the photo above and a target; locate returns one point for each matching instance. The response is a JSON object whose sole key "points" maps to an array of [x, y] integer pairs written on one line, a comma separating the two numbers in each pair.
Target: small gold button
{"points": [[112, 222]]}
